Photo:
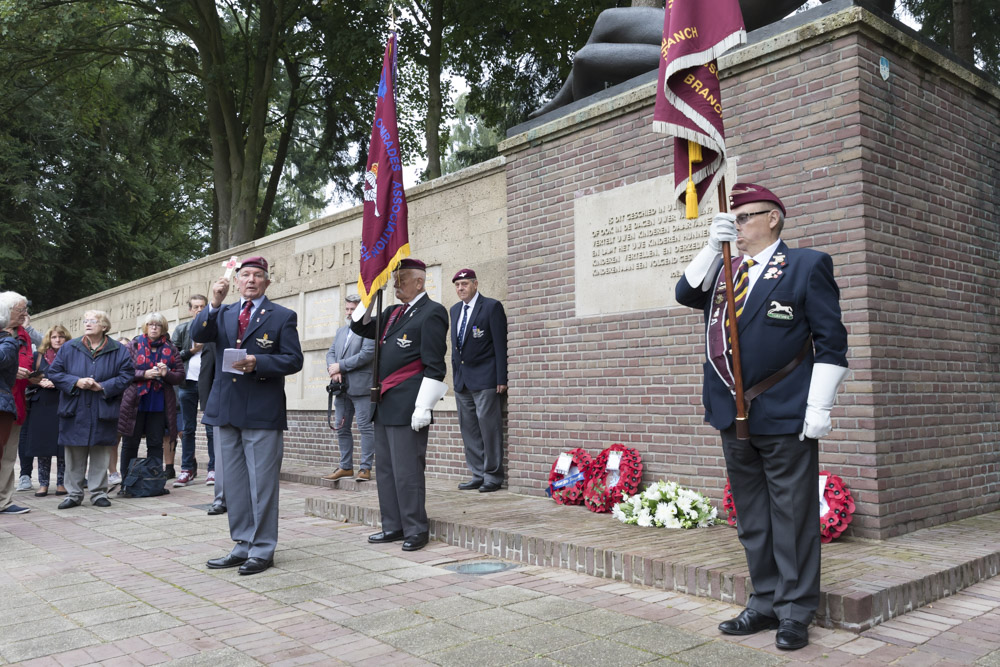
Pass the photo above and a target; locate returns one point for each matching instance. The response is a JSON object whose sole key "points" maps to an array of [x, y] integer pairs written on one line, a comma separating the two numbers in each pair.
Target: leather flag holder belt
{"points": [[768, 382]]}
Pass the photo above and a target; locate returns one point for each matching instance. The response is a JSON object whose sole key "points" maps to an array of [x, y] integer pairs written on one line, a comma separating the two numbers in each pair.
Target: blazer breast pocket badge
{"points": [[403, 342], [477, 332], [777, 310], [264, 342]]}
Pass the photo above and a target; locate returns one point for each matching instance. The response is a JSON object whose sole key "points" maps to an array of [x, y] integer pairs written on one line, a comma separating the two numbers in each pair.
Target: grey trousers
{"points": [[347, 408], [481, 423], [90, 463], [219, 497], [402, 456], [774, 479], [7, 467], [251, 460]]}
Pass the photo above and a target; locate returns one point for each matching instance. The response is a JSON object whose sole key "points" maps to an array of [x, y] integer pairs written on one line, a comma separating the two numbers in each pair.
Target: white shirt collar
{"points": [[472, 302]]}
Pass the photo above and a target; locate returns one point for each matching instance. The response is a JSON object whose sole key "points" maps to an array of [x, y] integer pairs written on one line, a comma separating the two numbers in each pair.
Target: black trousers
{"points": [[775, 485], [152, 426]]}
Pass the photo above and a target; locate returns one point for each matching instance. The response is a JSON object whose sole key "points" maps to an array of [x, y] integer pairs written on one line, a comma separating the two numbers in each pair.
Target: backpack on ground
{"points": [[145, 479]]}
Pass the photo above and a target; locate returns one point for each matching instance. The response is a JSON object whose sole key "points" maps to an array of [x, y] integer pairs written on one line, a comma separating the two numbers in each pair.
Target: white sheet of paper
{"points": [[823, 506], [563, 463], [614, 461], [230, 356]]}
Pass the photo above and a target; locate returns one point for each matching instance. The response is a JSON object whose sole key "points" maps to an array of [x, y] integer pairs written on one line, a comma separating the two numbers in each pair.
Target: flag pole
{"points": [[376, 389], [742, 425]]}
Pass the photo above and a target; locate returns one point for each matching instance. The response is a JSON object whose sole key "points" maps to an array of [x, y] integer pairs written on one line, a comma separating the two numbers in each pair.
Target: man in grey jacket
{"points": [[349, 362]]}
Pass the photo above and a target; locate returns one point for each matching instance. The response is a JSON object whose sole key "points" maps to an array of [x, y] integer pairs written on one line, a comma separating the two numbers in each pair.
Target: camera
{"points": [[336, 388]]}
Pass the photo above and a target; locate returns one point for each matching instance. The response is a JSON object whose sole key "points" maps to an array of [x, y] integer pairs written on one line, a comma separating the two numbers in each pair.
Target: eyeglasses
{"points": [[742, 218], [90, 321]]}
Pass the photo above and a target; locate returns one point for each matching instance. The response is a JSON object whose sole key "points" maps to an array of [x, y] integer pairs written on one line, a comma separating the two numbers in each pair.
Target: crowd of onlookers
{"points": [[76, 400]]}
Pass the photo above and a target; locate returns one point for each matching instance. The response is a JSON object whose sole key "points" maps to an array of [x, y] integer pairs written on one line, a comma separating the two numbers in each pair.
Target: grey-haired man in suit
{"points": [[349, 361]]}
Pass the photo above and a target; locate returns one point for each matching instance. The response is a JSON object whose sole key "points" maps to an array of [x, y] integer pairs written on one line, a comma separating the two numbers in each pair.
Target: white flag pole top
{"points": [[230, 266]]}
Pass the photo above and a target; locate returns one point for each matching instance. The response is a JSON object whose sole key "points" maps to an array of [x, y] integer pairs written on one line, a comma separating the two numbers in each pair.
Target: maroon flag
{"points": [[688, 103], [384, 237]]}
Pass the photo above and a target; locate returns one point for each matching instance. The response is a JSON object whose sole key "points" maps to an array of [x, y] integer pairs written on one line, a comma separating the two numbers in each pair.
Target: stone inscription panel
{"points": [[323, 311], [632, 244]]}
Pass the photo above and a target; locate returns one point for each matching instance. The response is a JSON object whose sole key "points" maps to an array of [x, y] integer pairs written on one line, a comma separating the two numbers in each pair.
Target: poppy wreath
{"points": [[832, 523], [598, 494], [568, 489]]}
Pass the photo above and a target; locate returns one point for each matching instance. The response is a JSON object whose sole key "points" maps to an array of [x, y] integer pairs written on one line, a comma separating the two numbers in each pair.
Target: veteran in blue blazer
{"points": [[479, 371], [793, 349], [247, 408]]}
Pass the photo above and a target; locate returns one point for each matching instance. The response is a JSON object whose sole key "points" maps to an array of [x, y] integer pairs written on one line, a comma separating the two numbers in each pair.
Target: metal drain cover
{"points": [[481, 567]]}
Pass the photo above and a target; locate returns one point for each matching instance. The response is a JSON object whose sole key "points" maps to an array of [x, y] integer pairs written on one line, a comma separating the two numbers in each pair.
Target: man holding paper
{"points": [[257, 345]]}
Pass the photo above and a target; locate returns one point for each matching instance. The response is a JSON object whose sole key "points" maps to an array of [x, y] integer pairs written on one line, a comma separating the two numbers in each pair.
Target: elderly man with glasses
{"points": [[793, 351]]}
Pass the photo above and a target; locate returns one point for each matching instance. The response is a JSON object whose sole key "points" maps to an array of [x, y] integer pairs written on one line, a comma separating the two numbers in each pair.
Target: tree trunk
{"points": [[436, 19], [961, 26], [267, 206]]}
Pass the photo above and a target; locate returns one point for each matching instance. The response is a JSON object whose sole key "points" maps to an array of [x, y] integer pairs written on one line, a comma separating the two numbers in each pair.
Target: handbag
{"points": [[145, 479]]}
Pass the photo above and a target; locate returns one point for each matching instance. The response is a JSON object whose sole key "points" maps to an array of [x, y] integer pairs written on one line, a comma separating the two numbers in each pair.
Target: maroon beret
{"points": [[746, 193], [464, 274], [258, 262], [410, 263]]}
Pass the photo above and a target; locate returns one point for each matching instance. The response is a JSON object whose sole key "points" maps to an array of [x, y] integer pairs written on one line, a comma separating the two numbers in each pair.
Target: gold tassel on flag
{"points": [[691, 196]]}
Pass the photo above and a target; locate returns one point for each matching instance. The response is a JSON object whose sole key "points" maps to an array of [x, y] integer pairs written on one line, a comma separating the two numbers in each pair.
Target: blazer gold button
{"points": [[234, 379]]}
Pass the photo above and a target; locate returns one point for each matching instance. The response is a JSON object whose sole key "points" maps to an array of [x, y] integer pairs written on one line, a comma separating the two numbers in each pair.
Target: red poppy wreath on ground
{"points": [[567, 489], [605, 487], [836, 507]]}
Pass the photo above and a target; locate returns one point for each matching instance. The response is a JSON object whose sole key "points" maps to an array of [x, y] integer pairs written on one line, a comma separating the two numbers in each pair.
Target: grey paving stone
{"points": [[449, 607], [47, 645], [334, 572], [383, 622], [603, 652], [660, 639], [23, 613], [537, 662], [542, 638], [549, 608], [273, 580], [91, 617], [135, 626], [222, 657], [415, 572], [311, 591], [482, 653], [36, 628], [989, 660], [503, 595], [726, 654], [601, 622], [383, 563], [78, 591], [428, 638], [489, 622], [366, 581], [109, 598]]}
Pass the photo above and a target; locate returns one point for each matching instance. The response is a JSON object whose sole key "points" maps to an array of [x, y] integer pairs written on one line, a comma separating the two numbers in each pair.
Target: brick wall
{"points": [[896, 180]]}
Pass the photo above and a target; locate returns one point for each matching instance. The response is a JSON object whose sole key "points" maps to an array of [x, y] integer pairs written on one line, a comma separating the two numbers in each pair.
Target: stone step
{"points": [[864, 582]]}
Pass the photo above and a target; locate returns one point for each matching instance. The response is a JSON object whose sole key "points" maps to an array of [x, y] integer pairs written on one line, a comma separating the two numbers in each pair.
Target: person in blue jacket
{"points": [[479, 372], [790, 331], [248, 407], [92, 372]]}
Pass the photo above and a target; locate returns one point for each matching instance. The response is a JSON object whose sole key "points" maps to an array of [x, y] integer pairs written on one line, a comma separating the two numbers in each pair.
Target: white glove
{"points": [[823, 387], [362, 313], [723, 230], [431, 391]]}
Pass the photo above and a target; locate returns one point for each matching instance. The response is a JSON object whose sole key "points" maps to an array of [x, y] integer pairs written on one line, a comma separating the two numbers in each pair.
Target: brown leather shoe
{"points": [[365, 475], [338, 473]]}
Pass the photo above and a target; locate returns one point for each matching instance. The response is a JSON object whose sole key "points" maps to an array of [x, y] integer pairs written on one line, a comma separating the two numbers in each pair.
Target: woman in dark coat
{"points": [[149, 407], [91, 373], [41, 430]]}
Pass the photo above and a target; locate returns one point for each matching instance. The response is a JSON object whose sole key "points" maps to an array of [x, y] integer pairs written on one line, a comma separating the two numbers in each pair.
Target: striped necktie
{"points": [[718, 326], [461, 328]]}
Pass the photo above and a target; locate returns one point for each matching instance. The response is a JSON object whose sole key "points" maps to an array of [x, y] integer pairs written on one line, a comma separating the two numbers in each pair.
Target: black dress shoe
{"points": [[255, 565], [102, 502], [791, 635], [749, 622], [383, 537], [69, 503], [471, 485], [418, 541], [216, 508], [488, 488], [229, 560]]}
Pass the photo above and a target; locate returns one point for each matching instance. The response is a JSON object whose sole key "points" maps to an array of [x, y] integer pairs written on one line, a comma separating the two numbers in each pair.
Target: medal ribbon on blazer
{"points": [[688, 100], [719, 345], [384, 235]]}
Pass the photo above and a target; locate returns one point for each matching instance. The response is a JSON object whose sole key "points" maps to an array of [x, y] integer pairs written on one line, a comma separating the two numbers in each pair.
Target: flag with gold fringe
{"points": [[688, 100], [384, 235]]}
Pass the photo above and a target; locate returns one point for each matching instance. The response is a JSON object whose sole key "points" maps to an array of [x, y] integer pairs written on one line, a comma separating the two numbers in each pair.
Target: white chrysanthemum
{"points": [[653, 492], [636, 502], [662, 513], [617, 513], [644, 518], [672, 522]]}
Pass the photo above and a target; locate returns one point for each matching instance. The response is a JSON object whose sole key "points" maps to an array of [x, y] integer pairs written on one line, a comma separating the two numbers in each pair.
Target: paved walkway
{"points": [[128, 586]]}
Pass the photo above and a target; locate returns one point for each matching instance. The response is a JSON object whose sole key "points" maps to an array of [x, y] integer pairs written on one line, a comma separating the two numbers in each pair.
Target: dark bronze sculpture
{"points": [[625, 43]]}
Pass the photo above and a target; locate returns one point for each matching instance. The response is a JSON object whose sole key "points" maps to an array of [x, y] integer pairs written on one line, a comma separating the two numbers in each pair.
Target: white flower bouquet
{"points": [[666, 504]]}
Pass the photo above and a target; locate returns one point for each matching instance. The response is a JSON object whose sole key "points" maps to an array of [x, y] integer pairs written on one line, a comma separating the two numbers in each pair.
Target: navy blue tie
{"points": [[461, 327]]}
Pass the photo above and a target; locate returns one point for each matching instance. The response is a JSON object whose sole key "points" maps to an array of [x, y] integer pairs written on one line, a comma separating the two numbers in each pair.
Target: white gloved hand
{"points": [[361, 313], [723, 230], [823, 387], [430, 393]]}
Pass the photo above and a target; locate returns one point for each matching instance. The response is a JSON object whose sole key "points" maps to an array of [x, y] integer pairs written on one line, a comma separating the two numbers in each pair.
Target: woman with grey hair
{"points": [[148, 409], [14, 310], [92, 372]]}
